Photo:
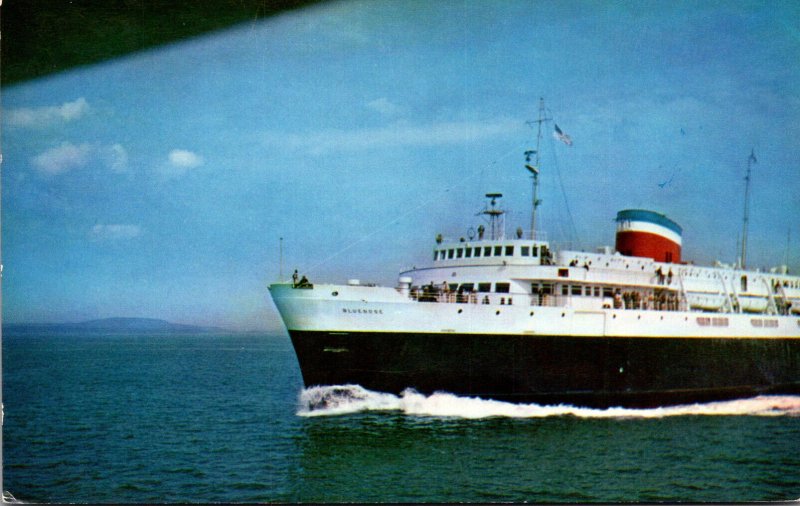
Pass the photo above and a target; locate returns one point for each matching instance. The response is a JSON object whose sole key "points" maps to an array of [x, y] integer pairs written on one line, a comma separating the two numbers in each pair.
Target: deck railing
{"points": [[661, 302]]}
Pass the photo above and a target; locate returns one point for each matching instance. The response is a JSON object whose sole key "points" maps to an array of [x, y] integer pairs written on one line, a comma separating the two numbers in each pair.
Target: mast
{"points": [[750, 161], [534, 169]]}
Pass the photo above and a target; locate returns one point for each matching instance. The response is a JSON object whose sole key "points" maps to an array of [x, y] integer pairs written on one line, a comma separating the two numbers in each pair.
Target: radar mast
{"points": [[495, 216]]}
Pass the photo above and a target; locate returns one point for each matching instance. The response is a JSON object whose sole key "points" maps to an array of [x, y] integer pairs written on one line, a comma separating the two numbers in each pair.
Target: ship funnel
{"points": [[648, 234]]}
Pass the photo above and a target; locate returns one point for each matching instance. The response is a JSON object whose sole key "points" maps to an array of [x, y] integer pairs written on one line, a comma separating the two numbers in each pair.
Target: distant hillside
{"points": [[148, 324], [120, 325]]}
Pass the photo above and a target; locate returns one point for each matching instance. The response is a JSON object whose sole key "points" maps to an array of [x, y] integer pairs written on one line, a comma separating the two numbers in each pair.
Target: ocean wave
{"points": [[347, 399]]}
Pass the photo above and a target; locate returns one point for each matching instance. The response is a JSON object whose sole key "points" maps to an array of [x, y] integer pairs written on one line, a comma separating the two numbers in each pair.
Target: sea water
{"points": [[93, 417]]}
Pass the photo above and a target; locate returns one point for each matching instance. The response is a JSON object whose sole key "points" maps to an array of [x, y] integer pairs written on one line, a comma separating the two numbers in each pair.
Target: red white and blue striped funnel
{"points": [[642, 233]]}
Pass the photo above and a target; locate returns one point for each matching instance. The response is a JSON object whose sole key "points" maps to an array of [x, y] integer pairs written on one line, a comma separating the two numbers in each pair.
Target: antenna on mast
{"points": [[750, 161], [534, 169]]}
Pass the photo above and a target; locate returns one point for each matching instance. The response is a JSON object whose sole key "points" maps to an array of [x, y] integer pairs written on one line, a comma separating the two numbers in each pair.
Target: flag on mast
{"points": [[566, 139]]}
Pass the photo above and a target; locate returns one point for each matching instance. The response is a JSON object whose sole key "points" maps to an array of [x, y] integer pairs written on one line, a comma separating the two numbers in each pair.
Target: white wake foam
{"points": [[344, 399]]}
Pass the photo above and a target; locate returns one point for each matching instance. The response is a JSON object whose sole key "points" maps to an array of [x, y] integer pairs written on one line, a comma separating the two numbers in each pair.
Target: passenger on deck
{"points": [[546, 256]]}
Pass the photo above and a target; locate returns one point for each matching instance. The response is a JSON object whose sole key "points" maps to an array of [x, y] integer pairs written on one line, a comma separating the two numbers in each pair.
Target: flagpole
{"points": [[750, 160], [280, 261]]}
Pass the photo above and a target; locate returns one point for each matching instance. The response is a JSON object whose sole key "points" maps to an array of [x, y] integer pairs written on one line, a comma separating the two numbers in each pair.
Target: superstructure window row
{"points": [[507, 250]]}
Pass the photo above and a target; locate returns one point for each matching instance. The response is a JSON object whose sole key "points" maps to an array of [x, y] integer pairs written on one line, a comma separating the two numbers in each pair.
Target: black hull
{"points": [[581, 371]]}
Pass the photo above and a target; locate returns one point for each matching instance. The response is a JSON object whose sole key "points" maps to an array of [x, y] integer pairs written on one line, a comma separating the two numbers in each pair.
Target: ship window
{"points": [[608, 291], [498, 250], [435, 256], [563, 273], [478, 251], [576, 289], [509, 251], [484, 287], [467, 287], [535, 251], [744, 283], [597, 291], [547, 288], [459, 252], [487, 251], [468, 253], [502, 287], [564, 289], [450, 253], [526, 251]]}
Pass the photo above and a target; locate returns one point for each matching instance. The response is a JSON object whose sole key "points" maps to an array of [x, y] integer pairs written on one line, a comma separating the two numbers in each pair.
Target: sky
{"points": [[161, 183]]}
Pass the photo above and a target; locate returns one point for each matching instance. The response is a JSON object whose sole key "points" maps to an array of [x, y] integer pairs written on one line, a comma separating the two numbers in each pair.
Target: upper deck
{"points": [[494, 271]]}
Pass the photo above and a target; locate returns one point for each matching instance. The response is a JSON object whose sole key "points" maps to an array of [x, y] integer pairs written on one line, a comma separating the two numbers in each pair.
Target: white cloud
{"points": [[68, 156], [114, 232], [396, 135], [39, 117], [183, 159], [179, 162], [384, 106], [61, 159]]}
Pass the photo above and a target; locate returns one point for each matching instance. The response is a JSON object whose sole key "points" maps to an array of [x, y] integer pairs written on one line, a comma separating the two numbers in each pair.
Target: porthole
{"points": [[334, 293], [531, 313], [497, 312], [460, 311]]}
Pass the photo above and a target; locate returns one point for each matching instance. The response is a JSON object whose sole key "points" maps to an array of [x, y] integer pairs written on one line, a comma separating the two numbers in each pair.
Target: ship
{"points": [[517, 319]]}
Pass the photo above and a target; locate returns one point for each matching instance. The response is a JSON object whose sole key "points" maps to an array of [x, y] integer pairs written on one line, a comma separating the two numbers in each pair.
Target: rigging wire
{"points": [[572, 235], [475, 173]]}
